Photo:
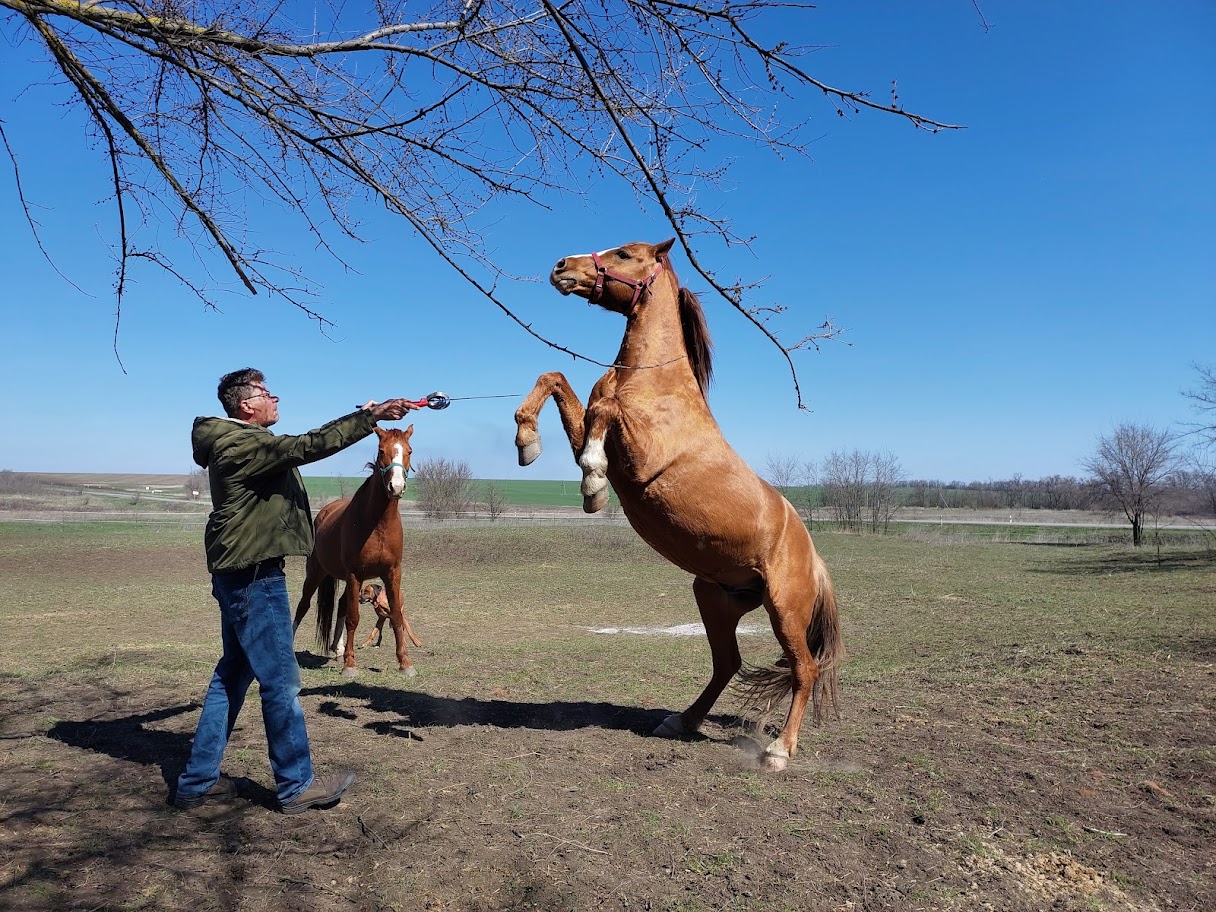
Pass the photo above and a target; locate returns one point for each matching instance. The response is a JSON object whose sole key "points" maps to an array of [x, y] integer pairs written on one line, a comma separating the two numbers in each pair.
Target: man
{"points": [[260, 514]]}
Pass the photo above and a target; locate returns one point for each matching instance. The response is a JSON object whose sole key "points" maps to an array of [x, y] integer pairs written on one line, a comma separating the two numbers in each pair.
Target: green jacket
{"points": [[259, 506]]}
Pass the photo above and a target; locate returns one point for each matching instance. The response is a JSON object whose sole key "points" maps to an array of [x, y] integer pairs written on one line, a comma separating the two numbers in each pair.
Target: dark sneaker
{"points": [[325, 791], [223, 790]]}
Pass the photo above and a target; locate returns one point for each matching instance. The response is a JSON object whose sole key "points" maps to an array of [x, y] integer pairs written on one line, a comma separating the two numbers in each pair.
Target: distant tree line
{"points": [[1055, 492], [1138, 471], [18, 482]]}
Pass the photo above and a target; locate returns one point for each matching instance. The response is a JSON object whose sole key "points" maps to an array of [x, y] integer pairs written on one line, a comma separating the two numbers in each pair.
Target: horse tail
{"points": [[824, 640], [325, 611], [765, 688]]}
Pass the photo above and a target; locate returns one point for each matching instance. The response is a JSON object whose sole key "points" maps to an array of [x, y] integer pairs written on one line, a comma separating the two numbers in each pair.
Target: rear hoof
{"points": [[409, 671], [528, 452], [671, 727], [350, 672]]}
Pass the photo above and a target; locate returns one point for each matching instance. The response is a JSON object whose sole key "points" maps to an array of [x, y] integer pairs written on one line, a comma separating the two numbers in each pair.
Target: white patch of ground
{"points": [[697, 630]]}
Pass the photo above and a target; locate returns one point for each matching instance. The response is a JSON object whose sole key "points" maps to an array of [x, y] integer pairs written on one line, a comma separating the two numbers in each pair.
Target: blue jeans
{"points": [[259, 644]]}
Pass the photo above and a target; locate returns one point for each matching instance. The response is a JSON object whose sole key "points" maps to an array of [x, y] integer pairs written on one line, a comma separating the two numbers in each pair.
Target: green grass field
{"points": [[515, 491]]}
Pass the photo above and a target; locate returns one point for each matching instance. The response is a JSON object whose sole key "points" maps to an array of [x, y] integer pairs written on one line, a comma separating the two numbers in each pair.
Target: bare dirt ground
{"points": [[1015, 773]]}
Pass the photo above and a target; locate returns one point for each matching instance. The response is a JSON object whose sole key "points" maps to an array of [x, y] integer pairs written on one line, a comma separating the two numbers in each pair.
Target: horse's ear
{"points": [[661, 250], [379, 431], [408, 431]]}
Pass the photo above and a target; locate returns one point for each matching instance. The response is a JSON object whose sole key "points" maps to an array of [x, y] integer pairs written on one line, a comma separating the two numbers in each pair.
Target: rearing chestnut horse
{"points": [[357, 539], [647, 429]]}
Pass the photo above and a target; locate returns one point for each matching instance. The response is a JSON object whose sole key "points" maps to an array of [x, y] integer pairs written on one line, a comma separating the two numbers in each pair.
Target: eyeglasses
{"points": [[263, 393]]}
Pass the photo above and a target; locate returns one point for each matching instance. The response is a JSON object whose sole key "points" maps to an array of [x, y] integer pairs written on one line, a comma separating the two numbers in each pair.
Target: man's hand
{"points": [[389, 409]]}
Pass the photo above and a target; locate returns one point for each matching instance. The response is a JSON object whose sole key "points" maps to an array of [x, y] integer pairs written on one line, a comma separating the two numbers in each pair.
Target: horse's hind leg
{"points": [[350, 613], [312, 578], [789, 601], [720, 612], [527, 439]]}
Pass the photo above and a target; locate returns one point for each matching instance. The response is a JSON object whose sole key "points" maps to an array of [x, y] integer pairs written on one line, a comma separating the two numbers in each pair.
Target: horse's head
{"points": [[393, 458], [615, 278]]}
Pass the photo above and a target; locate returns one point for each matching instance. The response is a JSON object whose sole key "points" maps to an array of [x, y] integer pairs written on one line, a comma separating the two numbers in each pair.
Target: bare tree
{"points": [[1128, 468], [443, 488], [495, 499], [844, 486], [810, 496], [862, 483], [782, 472], [1203, 400], [436, 113], [882, 494], [198, 484], [1198, 477]]}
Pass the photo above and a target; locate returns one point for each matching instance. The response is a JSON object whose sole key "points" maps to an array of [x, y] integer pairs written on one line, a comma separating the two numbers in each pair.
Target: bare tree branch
{"points": [[1203, 401], [438, 113]]}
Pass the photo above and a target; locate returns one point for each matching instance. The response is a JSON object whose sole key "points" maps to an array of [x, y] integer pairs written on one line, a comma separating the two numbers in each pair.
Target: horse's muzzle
{"points": [[563, 281]]}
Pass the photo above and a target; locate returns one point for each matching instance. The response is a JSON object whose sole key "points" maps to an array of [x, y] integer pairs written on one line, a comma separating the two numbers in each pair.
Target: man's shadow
{"points": [[129, 739]]}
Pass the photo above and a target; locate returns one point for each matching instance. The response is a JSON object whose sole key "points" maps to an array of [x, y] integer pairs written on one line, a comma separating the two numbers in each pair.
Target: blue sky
{"points": [[1010, 291]]}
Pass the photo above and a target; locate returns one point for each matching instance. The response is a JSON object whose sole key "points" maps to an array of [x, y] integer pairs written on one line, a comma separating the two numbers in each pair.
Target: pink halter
{"points": [[602, 273]]}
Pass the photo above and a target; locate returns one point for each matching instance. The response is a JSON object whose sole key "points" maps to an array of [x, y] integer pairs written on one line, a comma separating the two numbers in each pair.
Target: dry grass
{"points": [[1024, 727]]}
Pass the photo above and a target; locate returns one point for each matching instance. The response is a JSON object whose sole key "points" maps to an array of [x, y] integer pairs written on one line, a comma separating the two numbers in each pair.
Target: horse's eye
{"points": [[622, 254]]}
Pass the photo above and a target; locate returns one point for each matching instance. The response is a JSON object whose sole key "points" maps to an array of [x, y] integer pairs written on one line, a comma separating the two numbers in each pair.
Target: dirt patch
{"points": [[970, 770], [497, 803]]}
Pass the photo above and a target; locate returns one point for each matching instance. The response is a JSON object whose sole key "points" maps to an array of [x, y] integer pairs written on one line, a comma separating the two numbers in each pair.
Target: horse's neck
{"points": [[654, 341], [372, 501]]}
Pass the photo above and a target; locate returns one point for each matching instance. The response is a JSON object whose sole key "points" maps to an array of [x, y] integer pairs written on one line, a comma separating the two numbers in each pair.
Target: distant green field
{"points": [[516, 492]]}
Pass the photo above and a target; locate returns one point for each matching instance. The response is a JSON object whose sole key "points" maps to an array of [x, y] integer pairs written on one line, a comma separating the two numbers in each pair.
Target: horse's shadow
{"points": [[421, 710]]}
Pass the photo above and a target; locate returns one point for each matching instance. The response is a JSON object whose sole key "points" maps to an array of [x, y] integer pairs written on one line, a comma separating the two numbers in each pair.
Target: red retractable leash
{"points": [[439, 401]]}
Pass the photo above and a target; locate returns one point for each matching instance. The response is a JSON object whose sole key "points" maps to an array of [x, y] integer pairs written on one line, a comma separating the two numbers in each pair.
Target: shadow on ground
{"points": [[421, 710], [1144, 561]]}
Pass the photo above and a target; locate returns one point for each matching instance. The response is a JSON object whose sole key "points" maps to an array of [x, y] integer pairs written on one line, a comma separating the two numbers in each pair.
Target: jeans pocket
{"points": [[234, 598]]}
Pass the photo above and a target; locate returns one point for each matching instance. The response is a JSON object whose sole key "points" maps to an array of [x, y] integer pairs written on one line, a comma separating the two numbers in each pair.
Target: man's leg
{"points": [[221, 705], [269, 643]]}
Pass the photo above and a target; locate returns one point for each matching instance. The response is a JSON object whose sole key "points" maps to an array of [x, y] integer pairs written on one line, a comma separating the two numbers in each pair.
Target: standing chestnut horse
{"points": [[357, 539], [648, 430]]}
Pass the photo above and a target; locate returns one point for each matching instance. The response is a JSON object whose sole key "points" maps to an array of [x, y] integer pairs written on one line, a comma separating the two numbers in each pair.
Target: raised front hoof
{"points": [[350, 672], [671, 727], [593, 503], [528, 452], [409, 671]]}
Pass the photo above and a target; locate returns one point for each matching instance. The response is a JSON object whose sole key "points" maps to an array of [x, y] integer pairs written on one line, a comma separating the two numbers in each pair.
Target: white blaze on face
{"points": [[396, 478]]}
